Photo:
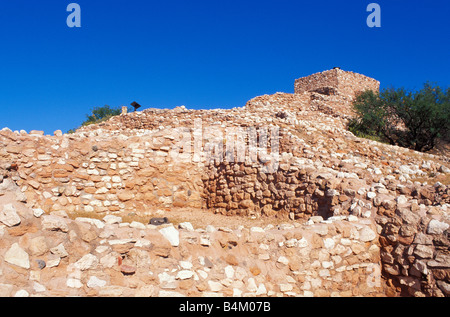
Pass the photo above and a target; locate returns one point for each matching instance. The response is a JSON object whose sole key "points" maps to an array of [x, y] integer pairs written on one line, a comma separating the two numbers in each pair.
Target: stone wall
{"points": [[415, 249], [52, 255], [336, 82], [334, 90], [108, 172]]}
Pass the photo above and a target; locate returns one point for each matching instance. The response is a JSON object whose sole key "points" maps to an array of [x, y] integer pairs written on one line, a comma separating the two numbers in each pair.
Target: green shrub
{"points": [[409, 119], [99, 114]]}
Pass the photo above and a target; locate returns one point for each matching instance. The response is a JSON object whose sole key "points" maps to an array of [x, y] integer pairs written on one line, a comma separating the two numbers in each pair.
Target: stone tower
{"points": [[336, 82]]}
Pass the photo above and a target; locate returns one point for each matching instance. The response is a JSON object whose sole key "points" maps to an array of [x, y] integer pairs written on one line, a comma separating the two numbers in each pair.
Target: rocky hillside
{"points": [[351, 209]]}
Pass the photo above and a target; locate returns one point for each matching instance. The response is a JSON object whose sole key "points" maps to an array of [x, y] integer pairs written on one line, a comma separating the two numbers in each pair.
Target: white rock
{"points": [[186, 265], [286, 287], [261, 290], [38, 212], [257, 229], [366, 234], [111, 219], [184, 275], [89, 261], [229, 271], [96, 222], [94, 282], [137, 225], [54, 223], [22, 293], [215, 286], [251, 285], [17, 256], [172, 235], [59, 250], [186, 226], [436, 227], [167, 281], [401, 200], [444, 169], [283, 260], [204, 241], [371, 195], [74, 283], [302, 243], [39, 288], [9, 216], [329, 243]]}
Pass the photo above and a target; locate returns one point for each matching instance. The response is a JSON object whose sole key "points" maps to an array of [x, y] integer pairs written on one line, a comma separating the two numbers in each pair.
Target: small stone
{"points": [[366, 234], [371, 195], [22, 293], [95, 282], [111, 219], [401, 200], [186, 226], [285, 287], [437, 227], [329, 243], [257, 229], [59, 250], [17, 256], [215, 286], [424, 251], [283, 260], [444, 169], [137, 225], [9, 216], [38, 212], [89, 261], [229, 271], [54, 223], [41, 264], [171, 234], [185, 265], [184, 275], [74, 283]]}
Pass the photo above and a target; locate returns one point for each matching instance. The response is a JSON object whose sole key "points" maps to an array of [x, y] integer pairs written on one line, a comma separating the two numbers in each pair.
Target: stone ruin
{"points": [[360, 218]]}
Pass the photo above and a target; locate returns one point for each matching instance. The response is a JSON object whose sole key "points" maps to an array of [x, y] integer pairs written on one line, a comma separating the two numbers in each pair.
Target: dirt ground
{"points": [[199, 218]]}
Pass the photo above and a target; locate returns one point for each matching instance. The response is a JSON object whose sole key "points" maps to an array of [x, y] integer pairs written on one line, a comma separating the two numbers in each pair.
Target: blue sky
{"points": [[202, 54]]}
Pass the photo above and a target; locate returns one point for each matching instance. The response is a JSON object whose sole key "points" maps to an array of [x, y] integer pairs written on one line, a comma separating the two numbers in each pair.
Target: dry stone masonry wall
{"points": [[52, 255]]}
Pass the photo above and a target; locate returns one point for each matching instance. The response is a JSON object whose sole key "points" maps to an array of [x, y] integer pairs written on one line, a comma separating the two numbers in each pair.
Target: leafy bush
{"points": [[409, 119], [100, 114]]}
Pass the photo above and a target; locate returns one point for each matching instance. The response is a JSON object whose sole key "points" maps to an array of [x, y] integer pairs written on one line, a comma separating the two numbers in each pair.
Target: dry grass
{"points": [[431, 179]]}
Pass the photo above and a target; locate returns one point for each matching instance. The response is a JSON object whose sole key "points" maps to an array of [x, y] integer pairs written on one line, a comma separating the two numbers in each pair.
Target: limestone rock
{"points": [[9, 216], [17, 256]]}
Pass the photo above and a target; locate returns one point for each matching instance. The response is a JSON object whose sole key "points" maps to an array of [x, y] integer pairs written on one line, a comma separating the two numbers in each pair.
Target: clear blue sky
{"points": [[202, 54]]}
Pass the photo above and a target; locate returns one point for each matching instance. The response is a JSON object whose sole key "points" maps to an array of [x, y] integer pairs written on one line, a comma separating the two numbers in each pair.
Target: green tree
{"points": [[409, 119]]}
